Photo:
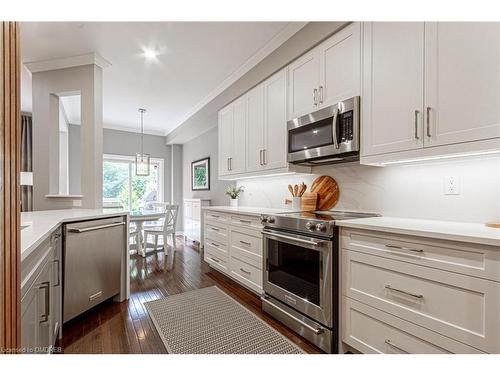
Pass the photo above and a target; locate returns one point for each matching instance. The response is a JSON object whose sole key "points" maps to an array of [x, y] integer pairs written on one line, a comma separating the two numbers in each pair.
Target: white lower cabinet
{"points": [[404, 298], [41, 297], [192, 218], [233, 246]]}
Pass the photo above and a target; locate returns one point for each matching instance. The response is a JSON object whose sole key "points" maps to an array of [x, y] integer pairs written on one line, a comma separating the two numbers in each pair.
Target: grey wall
{"points": [[199, 148], [119, 142], [176, 181]]}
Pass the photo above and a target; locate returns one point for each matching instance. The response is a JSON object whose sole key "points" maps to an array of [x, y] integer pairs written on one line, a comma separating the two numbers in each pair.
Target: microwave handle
{"points": [[334, 128]]}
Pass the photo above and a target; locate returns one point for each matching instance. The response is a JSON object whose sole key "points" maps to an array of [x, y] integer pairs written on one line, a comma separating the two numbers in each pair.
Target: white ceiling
{"points": [[197, 61]]}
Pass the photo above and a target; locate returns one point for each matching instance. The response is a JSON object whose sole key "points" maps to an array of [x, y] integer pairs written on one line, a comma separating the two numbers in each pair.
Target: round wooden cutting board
{"points": [[328, 192]]}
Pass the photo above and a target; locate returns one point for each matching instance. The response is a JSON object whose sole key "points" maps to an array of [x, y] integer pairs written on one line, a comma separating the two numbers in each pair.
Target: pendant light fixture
{"points": [[142, 159]]}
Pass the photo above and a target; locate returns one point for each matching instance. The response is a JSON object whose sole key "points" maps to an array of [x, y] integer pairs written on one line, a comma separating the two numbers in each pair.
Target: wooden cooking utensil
{"points": [[302, 189], [290, 189], [296, 190], [309, 201], [328, 192]]}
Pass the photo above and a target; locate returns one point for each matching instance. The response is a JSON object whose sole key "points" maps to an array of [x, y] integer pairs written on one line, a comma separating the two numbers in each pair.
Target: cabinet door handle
{"points": [[315, 99], [419, 296], [404, 248], [265, 156], [227, 164], [216, 216], [214, 244], [260, 157], [245, 271], [245, 221], [428, 121], [214, 229], [416, 124], [46, 287], [214, 260], [321, 95], [246, 243], [390, 343]]}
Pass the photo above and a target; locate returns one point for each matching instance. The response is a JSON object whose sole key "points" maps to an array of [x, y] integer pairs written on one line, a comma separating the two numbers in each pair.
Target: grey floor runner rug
{"points": [[208, 321]]}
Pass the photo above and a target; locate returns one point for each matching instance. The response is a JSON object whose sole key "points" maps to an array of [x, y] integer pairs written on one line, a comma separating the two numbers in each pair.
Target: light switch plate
{"points": [[451, 185]]}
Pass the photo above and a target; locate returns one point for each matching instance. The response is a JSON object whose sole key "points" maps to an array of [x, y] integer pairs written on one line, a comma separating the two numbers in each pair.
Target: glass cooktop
{"points": [[325, 215]]}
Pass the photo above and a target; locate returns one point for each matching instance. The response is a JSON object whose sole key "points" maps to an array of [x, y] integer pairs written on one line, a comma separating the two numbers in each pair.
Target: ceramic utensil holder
{"points": [[296, 203]]}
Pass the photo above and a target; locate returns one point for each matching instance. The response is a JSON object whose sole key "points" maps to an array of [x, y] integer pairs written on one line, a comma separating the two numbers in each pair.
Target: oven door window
{"points": [[295, 269], [317, 134]]}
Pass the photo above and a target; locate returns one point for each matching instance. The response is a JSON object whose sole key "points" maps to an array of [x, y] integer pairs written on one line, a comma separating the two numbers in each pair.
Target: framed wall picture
{"points": [[200, 174]]}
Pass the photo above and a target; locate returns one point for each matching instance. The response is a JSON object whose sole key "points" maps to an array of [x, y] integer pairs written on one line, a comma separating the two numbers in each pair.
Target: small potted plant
{"points": [[234, 192]]}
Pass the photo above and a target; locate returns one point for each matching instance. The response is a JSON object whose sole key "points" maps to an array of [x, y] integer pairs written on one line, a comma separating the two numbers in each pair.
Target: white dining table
{"points": [[139, 217]]}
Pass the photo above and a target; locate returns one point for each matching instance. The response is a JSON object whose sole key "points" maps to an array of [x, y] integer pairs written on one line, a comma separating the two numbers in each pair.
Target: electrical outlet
{"points": [[451, 185], [77, 203]]}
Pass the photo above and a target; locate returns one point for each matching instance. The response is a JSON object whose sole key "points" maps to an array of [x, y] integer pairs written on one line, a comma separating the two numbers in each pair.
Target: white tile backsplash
{"points": [[414, 191]]}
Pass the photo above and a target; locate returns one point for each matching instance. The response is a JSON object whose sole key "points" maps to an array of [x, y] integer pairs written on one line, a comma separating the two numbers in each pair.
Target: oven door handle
{"points": [[316, 331], [300, 240]]}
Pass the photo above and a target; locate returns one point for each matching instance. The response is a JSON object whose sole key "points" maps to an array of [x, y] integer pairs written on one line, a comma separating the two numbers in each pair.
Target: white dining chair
{"points": [[135, 235], [169, 226]]}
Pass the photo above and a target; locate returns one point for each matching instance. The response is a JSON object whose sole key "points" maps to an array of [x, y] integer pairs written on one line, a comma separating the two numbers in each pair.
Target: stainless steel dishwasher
{"points": [[93, 253]]}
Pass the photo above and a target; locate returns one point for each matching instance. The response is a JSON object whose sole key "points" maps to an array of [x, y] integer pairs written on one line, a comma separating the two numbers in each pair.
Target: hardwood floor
{"points": [[126, 327]]}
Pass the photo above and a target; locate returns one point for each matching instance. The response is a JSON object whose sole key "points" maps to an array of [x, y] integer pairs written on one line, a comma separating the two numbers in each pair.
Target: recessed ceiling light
{"points": [[150, 54]]}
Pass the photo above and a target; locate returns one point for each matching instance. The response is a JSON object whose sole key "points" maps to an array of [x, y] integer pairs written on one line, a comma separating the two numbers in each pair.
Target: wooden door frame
{"points": [[10, 156]]}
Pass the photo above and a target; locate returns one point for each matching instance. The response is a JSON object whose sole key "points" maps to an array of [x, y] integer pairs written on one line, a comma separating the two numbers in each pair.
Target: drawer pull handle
{"points": [[214, 244], [214, 260], [419, 296], [245, 271], [215, 229], [245, 243], [390, 343], [245, 221], [404, 248], [216, 216]]}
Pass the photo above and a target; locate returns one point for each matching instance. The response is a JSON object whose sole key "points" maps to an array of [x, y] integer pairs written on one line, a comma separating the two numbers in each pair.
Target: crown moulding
{"points": [[67, 62]]}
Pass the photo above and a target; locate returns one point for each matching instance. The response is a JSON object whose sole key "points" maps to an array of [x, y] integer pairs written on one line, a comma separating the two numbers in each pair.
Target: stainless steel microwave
{"points": [[329, 135]]}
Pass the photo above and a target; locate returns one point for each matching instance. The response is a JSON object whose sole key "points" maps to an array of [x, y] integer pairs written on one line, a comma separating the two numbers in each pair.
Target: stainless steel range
{"points": [[301, 273]]}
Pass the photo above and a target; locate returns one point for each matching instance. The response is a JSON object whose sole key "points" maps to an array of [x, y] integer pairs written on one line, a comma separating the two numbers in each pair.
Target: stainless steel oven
{"points": [[329, 135], [300, 284]]}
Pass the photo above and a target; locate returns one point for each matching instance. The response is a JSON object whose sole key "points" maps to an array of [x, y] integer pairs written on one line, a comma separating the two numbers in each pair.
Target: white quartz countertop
{"points": [[246, 210], [446, 230], [40, 224]]}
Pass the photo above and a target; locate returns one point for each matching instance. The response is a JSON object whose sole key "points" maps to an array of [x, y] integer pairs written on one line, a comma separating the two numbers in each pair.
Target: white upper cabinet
{"points": [[303, 90], [329, 73], [225, 138], [232, 125], [393, 78], [462, 82], [275, 132], [255, 129], [340, 66], [237, 157]]}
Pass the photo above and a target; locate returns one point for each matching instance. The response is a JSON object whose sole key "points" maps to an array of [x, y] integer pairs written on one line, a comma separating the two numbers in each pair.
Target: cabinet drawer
{"points": [[217, 249], [215, 260], [373, 331], [216, 217], [461, 307], [475, 260], [246, 273], [251, 222], [248, 246], [218, 233]]}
